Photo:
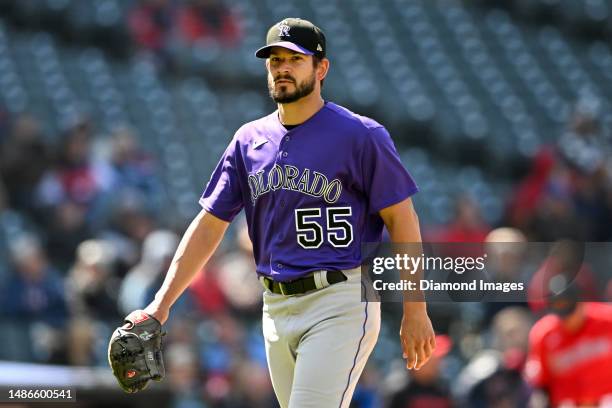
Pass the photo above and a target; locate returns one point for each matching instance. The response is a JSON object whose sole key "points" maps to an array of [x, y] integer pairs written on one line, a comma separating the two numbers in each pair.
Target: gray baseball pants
{"points": [[318, 343]]}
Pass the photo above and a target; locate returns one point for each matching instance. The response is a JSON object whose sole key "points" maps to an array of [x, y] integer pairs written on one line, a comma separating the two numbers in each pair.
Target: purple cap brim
{"points": [[264, 52]]}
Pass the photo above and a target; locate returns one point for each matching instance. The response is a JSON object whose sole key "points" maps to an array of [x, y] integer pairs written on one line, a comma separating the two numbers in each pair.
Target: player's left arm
{"points": [[535, 371], [416, 333]]}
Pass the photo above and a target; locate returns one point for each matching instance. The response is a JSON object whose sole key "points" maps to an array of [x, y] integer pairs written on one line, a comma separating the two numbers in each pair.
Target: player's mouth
{"points": [[283, 81]]}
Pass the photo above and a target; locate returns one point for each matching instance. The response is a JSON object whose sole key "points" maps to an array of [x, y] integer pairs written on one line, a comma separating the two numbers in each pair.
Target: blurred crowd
{"points": [[169, 30], [568, 190], [85, 238]]}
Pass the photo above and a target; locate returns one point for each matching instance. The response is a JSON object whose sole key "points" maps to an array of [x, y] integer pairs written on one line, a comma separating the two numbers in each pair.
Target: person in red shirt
{"points": [[570, 356], [467, 225], [208, 20], [150, 23]]}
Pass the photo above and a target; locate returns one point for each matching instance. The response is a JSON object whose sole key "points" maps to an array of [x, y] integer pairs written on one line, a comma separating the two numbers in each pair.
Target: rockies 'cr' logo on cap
{"points": [[283, 28]]}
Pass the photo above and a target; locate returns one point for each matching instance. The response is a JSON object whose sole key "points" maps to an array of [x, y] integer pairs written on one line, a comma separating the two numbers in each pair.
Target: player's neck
{"points": [[300, 111], [575, 321]]}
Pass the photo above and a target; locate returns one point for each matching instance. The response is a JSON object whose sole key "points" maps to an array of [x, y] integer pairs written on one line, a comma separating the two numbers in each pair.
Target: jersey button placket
{"points": [[284, 154]]}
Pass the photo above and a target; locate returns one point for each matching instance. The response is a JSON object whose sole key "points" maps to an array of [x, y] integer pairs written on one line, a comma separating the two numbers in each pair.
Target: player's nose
{"points": [[283, 66], [281, 74]]}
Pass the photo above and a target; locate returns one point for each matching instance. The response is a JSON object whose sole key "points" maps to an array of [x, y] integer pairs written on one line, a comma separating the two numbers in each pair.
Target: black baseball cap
{"points": [[295, 34]]}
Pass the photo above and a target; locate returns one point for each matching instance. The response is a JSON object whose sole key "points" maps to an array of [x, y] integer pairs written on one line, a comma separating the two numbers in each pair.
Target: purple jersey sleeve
{"points": [[222, 196], [385, 180]]}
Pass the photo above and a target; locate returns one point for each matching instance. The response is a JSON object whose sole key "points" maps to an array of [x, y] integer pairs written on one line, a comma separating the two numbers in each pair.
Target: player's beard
{"points": [[281, 94]]}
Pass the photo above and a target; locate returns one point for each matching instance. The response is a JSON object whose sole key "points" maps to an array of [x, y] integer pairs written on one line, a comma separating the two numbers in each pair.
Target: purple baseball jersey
{"points": [[311, 194]]}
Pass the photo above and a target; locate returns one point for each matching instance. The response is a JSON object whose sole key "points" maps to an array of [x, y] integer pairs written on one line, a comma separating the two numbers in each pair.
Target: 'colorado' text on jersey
{"points": [[311, 194]]}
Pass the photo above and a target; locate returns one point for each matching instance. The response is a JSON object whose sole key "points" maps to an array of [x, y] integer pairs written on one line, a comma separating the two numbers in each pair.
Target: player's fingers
{"points": [[430, 346], [411, 357], [422, 356], [427, 352], [405, 346]]}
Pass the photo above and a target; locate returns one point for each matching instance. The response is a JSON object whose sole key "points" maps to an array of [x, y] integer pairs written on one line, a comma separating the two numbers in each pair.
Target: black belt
{"points": [[302, 285]]}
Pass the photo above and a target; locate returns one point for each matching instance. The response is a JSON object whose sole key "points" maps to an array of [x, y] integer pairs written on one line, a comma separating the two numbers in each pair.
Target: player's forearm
{"points": [[416, 332], [402, 224], [199, 242], [404, 228]]}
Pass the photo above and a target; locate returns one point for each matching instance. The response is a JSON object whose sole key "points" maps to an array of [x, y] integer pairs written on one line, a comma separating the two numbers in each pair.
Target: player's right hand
{"points": [[158, 311]]}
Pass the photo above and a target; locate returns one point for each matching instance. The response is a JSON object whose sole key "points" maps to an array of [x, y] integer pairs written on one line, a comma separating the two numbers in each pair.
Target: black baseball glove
{"points": [[134, 352]]}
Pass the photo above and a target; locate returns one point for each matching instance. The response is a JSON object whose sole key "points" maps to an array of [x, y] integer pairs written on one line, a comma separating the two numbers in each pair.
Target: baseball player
{"points": [[570, 353], [316, 181]]}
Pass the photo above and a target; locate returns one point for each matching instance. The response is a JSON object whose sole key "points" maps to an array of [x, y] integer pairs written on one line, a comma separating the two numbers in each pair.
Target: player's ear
{"points": [[322, 69]]}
